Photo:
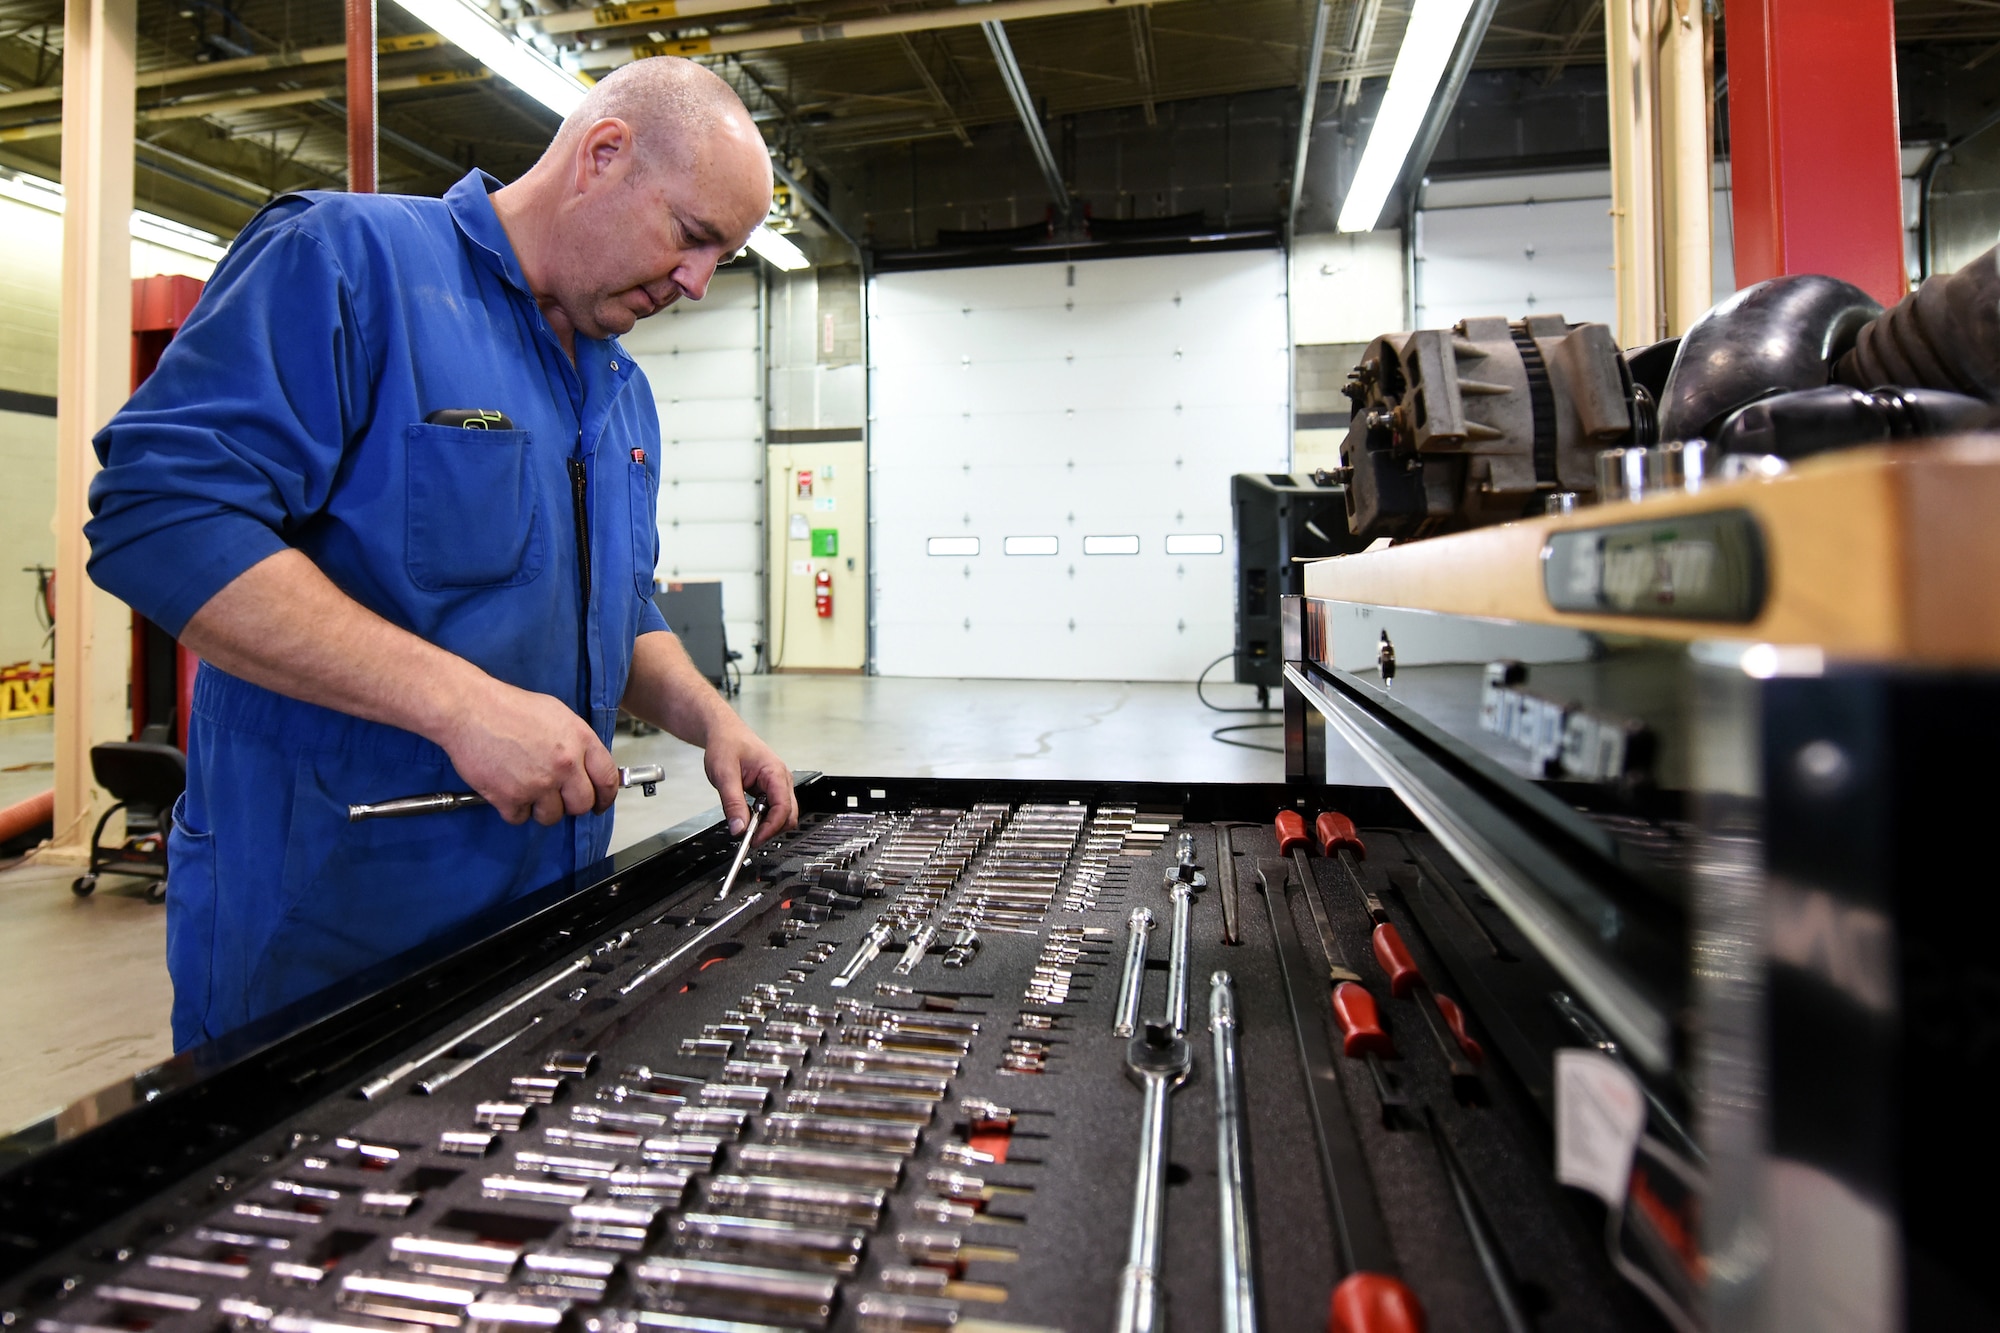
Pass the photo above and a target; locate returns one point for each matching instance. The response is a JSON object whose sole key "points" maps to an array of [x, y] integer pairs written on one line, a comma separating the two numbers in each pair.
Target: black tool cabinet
{"points": [[109, 1213]]}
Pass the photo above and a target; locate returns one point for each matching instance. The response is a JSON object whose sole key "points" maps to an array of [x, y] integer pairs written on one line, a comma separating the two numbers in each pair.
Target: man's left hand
{"points": [[738, 761]]}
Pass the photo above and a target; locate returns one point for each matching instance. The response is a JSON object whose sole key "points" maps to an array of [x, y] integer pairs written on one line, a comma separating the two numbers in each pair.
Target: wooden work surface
{"points": [[1872, 555]]}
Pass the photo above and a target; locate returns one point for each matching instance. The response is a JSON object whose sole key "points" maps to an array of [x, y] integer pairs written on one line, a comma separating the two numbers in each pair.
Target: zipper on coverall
{"points": [[580, 502]]}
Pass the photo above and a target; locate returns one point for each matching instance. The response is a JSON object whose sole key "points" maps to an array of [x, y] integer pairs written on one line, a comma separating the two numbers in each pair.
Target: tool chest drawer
{"points": [[881, 1085]]}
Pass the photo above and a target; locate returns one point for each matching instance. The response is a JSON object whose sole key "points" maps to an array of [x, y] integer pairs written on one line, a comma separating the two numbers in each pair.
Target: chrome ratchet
{"points": [[646, 777]]}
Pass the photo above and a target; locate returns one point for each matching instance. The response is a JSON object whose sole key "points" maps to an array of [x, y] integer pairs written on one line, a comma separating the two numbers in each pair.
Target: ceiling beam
{"points": [[642, 13], [1360, 39], [1566, 49], [195, 108], [886, 25], [931, 86], [1144, 61], [333, 53]]}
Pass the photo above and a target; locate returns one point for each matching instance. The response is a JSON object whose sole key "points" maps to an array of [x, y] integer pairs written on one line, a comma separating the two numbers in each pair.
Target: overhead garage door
{"points": [[1051, 448], [705, 362]]}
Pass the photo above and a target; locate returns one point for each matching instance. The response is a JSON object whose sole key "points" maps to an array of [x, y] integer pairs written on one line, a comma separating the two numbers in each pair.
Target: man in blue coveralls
{"points": [[387, 602]]}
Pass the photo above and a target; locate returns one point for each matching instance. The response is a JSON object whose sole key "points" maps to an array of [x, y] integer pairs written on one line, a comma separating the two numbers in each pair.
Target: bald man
{"points": [[395, 483]]}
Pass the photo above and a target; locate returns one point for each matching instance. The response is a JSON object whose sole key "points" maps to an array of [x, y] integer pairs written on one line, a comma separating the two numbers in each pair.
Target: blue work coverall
{"points": [[290, 411]]}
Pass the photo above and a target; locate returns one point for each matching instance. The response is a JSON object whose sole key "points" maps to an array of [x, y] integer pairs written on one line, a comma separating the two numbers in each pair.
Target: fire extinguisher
{"points": [[823, 594]]}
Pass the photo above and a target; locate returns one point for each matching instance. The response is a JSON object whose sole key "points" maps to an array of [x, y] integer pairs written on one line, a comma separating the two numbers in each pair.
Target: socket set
{"points": [[913, 1073]]}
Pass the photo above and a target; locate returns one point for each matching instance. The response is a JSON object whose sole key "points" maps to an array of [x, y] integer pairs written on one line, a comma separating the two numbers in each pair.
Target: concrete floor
{"points": [[27, 757], [84, 985]]}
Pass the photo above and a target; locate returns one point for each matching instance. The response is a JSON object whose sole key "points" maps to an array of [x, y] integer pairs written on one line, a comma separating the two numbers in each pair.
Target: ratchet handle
{"points": [[1336, 833], [414, 805], [1361, 1031], [1394, 956], [1374, 1303], [1291, 827]]}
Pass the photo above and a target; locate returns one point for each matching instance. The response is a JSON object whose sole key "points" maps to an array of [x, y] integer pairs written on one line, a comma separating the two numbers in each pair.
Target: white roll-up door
{"points": [[1516, 246], [705, 362], [1051, 447]]}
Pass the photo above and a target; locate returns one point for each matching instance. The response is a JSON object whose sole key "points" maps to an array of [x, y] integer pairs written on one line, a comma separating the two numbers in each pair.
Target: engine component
{"points": [[1474, 424], [1944, 335], [1810, 421], [1775, 336]]}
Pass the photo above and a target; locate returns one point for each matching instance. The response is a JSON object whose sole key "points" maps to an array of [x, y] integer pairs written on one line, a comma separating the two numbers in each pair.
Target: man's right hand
{"points": [[282, 624], [529, 755]]}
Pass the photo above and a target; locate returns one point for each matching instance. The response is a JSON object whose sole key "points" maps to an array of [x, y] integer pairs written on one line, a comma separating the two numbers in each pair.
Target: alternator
{"points": [[1479, 423]]}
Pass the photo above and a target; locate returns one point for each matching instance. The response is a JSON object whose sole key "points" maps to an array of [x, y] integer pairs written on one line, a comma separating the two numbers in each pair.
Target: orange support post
{"points": [[362, 156], [1815, 152]]}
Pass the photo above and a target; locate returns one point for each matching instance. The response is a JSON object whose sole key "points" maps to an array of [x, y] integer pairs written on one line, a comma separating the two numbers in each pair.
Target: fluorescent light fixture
{"points": [[955, 546], [1428, 42], [36, 192], [1111, 546], [32, 191], [165, 232], [1194, 543], [468, 27], [1031, 546], [777, 249]]}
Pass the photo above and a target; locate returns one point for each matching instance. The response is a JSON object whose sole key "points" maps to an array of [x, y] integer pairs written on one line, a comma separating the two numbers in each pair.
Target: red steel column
{"points": [[1815, 151], [361, 96]]}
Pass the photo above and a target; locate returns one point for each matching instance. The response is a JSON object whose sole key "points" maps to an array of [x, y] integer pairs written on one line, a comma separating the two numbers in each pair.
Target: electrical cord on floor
{"points": [[1203, 677], [1217, 735], [1221, 733]]}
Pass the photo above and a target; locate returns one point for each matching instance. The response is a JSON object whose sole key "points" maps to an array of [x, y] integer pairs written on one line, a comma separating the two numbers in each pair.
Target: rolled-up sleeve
{"points": [[238, 436]]}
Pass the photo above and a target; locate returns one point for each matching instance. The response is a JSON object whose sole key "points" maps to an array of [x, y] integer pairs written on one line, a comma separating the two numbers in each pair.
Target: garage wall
{"points": [[1348, 288], [1071, 408], [30, 295], [705, 362], [1515, 246]]}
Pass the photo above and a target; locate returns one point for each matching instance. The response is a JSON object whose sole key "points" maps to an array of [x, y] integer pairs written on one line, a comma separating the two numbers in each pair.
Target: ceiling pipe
{"points": [[1307, 108], [813, 204], [217, 69], [887, 25], [1359, 40], [1024, 105], [1469, 41]]}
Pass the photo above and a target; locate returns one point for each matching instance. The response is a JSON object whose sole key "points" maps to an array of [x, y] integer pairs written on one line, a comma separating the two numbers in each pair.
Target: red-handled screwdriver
{"points": [[1367, 1298], [1362, 1036], [1441, 1014], [1338, 838], [1374, 1303], [1291, 829]]}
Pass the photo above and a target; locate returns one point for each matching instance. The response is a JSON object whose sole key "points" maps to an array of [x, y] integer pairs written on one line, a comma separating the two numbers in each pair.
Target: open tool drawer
{"points": [[613, 1066]]}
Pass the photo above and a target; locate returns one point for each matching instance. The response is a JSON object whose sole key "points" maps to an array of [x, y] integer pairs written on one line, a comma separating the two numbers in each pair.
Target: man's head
{"points": [[657, 177]]}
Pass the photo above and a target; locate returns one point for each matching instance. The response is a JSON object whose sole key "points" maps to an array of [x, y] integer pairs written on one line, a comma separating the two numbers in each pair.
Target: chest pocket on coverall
{"points": [[645, 527], [472, 517]]}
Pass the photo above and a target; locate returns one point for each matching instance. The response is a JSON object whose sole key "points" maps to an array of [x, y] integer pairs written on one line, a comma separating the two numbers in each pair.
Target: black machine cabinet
{"points": [[694, 613], [560, 1120], [1280, 518]]}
